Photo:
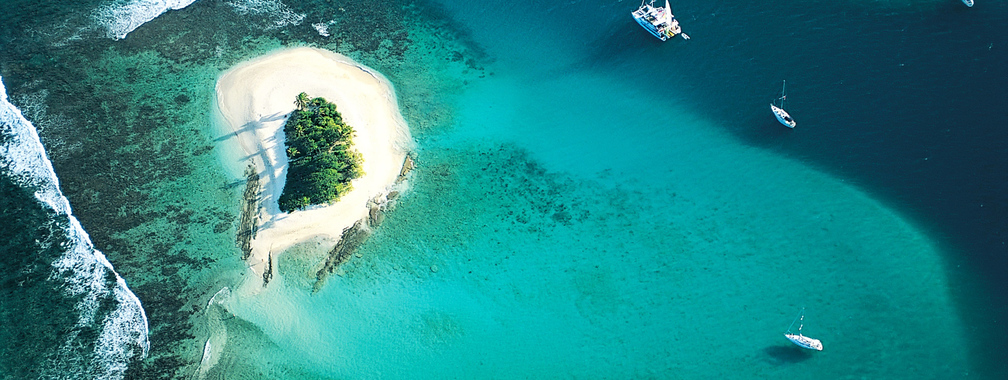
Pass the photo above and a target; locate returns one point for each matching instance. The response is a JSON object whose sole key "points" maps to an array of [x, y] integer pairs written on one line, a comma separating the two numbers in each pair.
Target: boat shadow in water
{"points": [[786, 354]]}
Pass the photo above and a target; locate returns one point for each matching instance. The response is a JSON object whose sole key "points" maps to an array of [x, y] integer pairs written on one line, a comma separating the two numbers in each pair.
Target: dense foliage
{"points": [[322, 159]]}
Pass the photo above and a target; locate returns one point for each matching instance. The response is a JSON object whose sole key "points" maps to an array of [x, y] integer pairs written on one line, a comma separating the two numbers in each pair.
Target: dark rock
{"points": [[249, 217]]}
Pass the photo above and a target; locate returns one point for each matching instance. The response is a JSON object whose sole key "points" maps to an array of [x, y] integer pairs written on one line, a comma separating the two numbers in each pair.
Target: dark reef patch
{"points": [[126, 125]]}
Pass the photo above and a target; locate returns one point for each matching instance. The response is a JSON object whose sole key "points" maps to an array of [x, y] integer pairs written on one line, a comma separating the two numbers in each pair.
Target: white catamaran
{"points": [[659, 21], [782, 116], [799, 339]]}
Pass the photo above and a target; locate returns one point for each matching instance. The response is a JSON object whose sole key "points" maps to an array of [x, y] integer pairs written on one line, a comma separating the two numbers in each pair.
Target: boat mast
{"points": [[799, 317], [782, 98], [668, 14]]}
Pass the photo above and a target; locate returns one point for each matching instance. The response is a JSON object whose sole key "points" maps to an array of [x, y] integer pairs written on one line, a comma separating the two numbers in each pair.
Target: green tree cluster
{"points": [[320, 150]]}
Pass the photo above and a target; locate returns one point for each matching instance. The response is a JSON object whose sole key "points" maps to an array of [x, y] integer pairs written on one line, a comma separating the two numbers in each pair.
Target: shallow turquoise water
{"points": [[686, 249], [581, 225], [582, 207]]}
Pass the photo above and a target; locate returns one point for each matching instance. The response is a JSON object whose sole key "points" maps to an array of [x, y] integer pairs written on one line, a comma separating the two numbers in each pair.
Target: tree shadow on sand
{"points": [[786, 354]]}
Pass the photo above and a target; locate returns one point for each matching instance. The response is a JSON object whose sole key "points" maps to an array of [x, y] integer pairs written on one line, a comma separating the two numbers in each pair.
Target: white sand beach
{"points": [[255, 98]]}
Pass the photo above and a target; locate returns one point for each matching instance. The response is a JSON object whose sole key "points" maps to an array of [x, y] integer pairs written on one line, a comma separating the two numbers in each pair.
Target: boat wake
{"points": [[111, 326]]}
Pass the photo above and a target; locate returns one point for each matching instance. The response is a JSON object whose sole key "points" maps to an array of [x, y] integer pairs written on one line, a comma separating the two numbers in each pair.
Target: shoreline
{"points": [[254, 99]]}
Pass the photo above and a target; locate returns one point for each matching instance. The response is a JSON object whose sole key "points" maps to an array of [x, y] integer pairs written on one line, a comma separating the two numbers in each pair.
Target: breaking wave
{"points": [[120, 17], [84, 273]]}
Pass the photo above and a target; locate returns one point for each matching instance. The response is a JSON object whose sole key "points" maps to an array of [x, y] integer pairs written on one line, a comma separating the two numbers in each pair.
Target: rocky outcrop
{"points": [[355, 235], [268, 273], [352, 238], [248, 223]]}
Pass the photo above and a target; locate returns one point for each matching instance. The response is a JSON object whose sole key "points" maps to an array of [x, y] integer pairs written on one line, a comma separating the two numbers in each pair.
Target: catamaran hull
{"points": [[783, 117], [650, 28], [804, 341], [659, 21]]}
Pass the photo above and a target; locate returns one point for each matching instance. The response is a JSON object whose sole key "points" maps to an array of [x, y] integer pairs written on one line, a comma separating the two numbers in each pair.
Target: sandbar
{"points": [[254, 99]]}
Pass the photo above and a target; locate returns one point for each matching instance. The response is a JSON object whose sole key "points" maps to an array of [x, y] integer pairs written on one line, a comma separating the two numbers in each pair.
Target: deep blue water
{"points": [[558, 135], [909, 101], [906, 98]]}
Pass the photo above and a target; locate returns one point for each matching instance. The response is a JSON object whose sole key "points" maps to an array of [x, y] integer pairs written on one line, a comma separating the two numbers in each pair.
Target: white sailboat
{"points": [[799, 339], [782, 116], [969, 3]]}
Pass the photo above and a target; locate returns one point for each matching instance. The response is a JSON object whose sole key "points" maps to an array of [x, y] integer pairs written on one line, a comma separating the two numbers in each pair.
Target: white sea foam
{"points": [[321, 28], [123, 325], [120, 17], [224, 293], [207, 350], [281, 14], [33, 107], [81, 268]]}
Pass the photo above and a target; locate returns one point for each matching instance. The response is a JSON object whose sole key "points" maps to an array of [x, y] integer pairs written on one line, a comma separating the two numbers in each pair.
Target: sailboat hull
{"points": [[782, 116], [804, 341]]}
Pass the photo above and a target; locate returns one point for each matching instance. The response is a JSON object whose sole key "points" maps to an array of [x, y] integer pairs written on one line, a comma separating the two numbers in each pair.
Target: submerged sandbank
{"points": [[255, 97]]}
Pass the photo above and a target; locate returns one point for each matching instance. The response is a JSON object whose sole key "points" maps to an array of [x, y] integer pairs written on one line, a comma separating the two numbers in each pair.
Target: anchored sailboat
{"points": [[969, 3], [782, 116], [799, 339], [659, 21]]}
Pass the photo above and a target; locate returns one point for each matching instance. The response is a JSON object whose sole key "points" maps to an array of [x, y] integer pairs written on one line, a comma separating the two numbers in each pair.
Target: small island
{"points": [[322, 161], [298, 157]]}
